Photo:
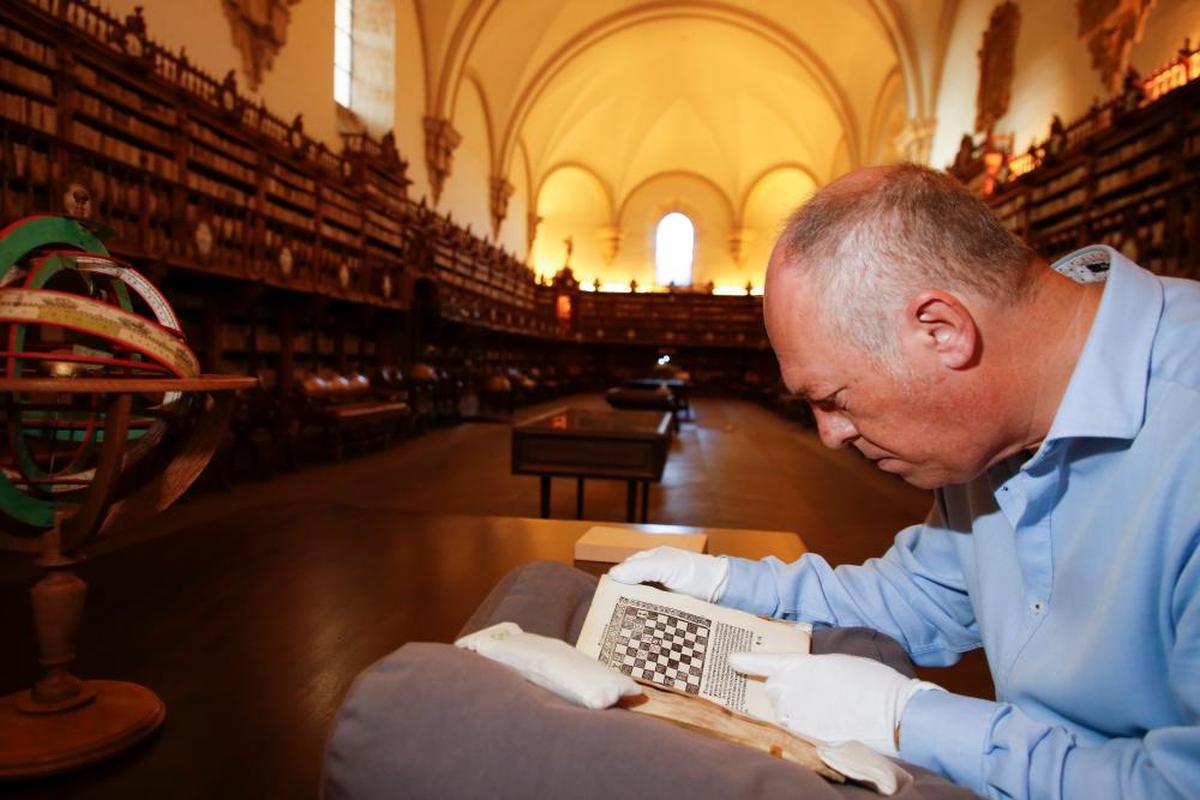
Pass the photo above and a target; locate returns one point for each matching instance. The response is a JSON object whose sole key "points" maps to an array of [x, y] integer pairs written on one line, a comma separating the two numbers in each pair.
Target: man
{"points": [[1056, 411]]}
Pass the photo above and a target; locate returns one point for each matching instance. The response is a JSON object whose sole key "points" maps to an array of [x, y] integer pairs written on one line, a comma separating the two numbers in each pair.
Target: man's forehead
{"points": [[792, 312], [806, 361], [788, 290], [808, 356], [806, 374]]}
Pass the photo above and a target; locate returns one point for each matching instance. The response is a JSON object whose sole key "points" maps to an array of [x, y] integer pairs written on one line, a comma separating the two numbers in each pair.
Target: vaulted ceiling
{"points": [[727, 91]]}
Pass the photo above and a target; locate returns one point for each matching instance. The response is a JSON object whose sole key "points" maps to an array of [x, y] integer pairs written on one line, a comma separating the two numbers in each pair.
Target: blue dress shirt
{"points": [[1077, 570]]}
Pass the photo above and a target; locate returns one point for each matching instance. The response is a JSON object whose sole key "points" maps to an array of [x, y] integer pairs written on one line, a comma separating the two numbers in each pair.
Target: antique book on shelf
{"points": [[680, 643], [614, 545]]}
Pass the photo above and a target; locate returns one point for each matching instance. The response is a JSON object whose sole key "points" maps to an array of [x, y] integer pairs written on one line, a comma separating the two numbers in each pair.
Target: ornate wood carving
{"points": [[259, 33], [1110, 29], [996, 57]]}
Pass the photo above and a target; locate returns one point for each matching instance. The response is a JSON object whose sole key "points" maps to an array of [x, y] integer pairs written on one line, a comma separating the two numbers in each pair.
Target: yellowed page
{"points": [[683, 643]]}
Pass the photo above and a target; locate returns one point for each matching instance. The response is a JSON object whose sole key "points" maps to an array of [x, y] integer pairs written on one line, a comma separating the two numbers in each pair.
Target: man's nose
{"points": [[835, 429]]}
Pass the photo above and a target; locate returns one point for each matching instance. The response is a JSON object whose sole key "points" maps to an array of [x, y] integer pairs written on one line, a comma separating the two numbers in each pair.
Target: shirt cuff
{"points": [[748, 587], [946, 732]]}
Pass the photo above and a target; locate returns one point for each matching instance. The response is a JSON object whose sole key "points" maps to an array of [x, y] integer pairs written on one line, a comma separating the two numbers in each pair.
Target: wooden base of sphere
{"points": [[63, 723], [38, 744]]}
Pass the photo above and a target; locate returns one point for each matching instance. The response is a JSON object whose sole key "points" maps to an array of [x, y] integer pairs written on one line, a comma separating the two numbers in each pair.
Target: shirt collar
{"points": [[1106, 396]]}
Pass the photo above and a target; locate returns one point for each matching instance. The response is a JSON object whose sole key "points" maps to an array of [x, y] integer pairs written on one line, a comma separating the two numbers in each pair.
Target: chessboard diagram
{"points": [[656, 644]]}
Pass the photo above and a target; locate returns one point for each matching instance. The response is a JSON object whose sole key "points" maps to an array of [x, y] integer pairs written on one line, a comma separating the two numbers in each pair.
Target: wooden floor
{"points": [[252, 609], [735, 464]]}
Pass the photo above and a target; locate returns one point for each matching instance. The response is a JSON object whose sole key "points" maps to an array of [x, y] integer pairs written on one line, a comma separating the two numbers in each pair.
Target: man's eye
{"points": [[830, 403]]}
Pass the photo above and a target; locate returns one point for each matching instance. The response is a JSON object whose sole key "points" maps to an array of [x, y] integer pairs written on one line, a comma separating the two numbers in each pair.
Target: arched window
{"points": [[343, 50], [674, 245]]}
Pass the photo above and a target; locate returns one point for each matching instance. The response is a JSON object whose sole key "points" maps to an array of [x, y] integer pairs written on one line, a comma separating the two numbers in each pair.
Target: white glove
{"points": [[679, 570], [835, 698]]}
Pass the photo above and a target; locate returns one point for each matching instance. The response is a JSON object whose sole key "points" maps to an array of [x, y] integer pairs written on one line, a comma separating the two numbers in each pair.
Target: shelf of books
{"points": [[384, 251], [291, 245], [377, 168], [219, 192], [341, 231], [228, 202], [28, 65], [677, 318], [1127, 174]]}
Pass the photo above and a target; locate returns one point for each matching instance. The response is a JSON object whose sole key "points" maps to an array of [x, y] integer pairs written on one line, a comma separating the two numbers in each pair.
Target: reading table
{"points": [[251, 627]]}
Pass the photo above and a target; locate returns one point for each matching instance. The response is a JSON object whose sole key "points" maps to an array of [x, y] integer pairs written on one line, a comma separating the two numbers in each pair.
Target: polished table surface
{"points": [[252, 627]]}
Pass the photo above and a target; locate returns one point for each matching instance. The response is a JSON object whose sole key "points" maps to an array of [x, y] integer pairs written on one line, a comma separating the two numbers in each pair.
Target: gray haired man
{"points": [[1055, 410]]}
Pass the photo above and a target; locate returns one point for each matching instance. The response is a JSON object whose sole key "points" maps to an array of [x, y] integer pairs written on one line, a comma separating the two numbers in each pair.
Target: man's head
{"points": [[870, 239], [878, 297]]}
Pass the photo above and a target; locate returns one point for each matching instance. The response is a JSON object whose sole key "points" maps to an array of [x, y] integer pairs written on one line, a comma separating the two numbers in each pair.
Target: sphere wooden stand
{"points": [[63, 723]]}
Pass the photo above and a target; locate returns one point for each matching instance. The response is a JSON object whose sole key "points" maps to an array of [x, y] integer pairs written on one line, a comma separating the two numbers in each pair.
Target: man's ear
{"points": [[940, 325]]}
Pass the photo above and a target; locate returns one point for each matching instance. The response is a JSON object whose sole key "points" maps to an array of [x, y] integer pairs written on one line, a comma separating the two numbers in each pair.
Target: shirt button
{"points": [[1038, 606]]}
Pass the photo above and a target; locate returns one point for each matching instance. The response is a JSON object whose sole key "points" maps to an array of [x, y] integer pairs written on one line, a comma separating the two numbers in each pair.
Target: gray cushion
{"points": [[434, 721]]}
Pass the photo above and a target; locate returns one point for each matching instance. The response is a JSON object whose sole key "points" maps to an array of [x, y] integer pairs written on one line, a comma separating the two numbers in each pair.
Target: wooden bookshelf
{"points": [[279, 253], [1126, 174], [672, 319]]}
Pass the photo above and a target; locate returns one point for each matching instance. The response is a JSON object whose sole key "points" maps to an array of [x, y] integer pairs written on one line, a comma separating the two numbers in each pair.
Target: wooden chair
{"points": [[345, 409]]}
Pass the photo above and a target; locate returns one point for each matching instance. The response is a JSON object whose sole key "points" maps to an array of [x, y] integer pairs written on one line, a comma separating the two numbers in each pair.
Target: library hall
{"points": [[600, 398]]}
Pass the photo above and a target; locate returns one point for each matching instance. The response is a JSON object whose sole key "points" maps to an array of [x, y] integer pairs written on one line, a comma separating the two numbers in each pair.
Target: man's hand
{"points": [[835, 697], [679, 570]]}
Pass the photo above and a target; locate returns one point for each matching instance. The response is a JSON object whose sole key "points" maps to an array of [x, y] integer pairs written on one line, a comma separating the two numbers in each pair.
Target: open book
{"points": [[680, 643]]}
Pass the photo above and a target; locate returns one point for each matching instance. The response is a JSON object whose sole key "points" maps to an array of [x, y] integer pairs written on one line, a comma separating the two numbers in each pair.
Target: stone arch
{"points": [[768, 202], [604, 187], [758, 179], [658, 176], [887, 119], [890, 19], [705, 204], [575, 203]]}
